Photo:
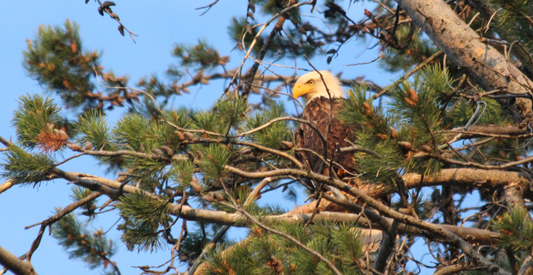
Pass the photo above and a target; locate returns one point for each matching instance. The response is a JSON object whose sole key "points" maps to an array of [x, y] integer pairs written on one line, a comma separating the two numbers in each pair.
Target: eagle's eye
{"points": [[310, 82]]}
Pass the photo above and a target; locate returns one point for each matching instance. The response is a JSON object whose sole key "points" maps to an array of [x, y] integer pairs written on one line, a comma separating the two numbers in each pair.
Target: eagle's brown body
{"points": [[317, 111]]}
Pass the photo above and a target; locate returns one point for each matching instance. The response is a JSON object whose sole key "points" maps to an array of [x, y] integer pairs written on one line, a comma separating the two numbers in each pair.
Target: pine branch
{"points": [[448, 31], [431, 228], [407, 75]]}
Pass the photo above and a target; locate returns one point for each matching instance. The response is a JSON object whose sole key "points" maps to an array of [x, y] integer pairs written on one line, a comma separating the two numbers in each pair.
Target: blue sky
{"points": [[159, 24]]}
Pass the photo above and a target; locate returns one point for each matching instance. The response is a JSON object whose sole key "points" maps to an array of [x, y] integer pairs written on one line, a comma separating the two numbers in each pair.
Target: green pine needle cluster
{"points": [[201, 55], [231, 111], [376, 134], [239, 26], [225, 114], [267, 253], [273, 135], [136, 130], [143, 217], [516, 230], [94, 130], [34, 114], [515, 17], [23, 167], [214, 162], [138, 133], [179, 117], [182, 174]]}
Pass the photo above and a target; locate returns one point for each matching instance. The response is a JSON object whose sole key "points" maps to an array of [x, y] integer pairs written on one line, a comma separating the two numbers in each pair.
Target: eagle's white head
{"points": [[310, 85]]}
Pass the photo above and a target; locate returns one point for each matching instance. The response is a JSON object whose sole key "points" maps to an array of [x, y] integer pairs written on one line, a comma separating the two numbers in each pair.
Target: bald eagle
{"points": [[322, 95], [323, 98]]}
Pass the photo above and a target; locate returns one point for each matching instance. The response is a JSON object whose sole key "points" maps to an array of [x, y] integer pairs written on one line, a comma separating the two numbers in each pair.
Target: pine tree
{"points": [[455, 126]]}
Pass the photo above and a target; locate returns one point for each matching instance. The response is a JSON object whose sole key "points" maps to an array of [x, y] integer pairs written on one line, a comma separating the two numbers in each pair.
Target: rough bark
{"points": [[485, 65]]}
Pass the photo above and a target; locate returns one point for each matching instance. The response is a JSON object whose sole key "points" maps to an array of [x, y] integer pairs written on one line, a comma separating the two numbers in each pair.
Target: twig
{"points": [[490, 20], [254, 41], [251, 73], [208, 7], [56, 217], [406, 76]]}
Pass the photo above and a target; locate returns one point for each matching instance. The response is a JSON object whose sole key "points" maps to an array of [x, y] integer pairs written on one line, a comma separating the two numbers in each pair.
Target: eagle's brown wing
{"points": [[317, 111]]}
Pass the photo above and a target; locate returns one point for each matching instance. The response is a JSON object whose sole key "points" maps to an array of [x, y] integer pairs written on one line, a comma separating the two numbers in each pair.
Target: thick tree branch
{"points": [[514, 196], [14, 264], [387, 247]]}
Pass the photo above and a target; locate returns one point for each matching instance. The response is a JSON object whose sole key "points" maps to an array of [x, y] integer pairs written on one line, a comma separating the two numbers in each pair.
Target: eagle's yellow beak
{"points": [[301, 89]]}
